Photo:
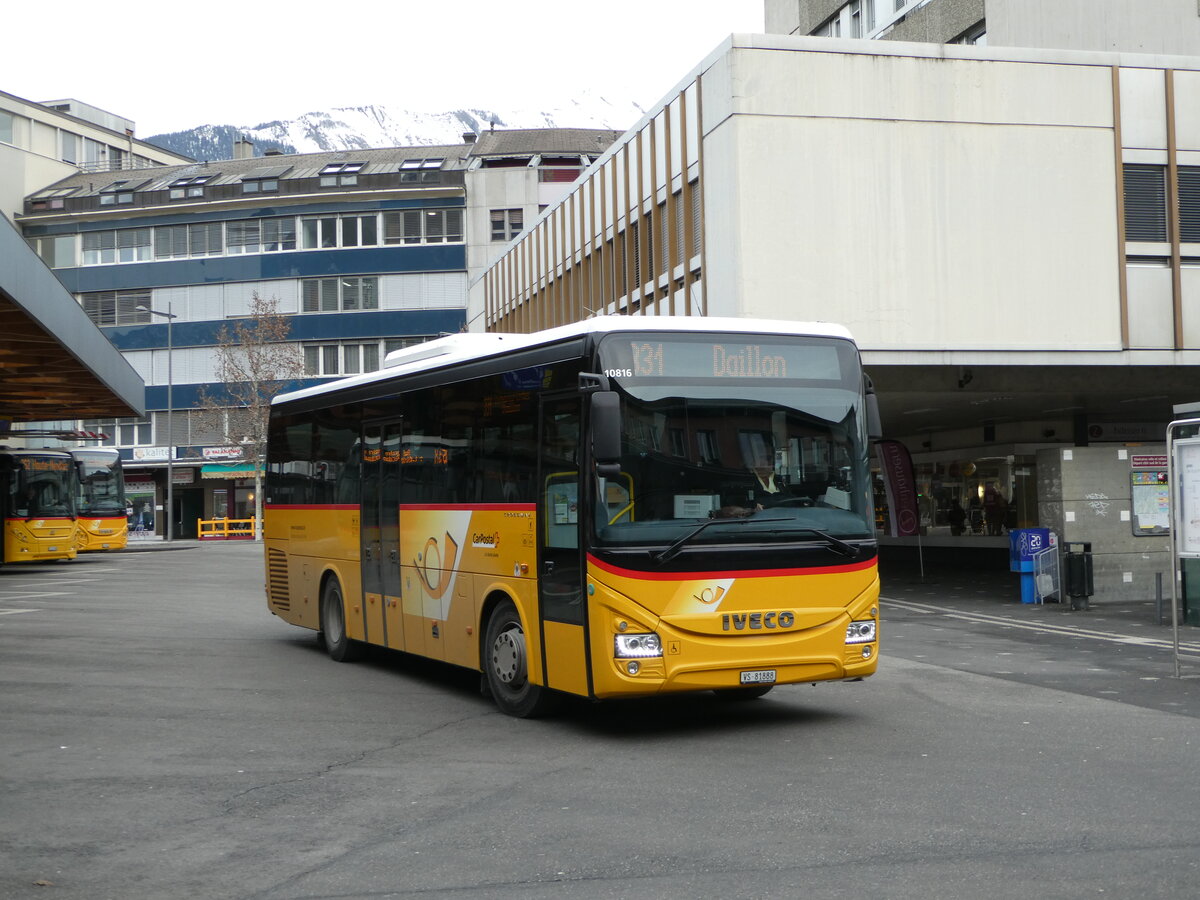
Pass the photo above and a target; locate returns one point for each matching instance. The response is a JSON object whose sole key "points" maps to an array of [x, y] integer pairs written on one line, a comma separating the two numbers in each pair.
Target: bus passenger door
{"points": [[561, 600], [380, 530]]}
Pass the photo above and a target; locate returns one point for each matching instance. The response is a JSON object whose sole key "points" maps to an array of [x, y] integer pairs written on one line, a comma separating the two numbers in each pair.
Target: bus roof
{"points": [[455, 349]]}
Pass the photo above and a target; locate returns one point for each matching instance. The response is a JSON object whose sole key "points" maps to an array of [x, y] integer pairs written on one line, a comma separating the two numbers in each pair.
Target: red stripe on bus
{"points": [[524, 507], [415, 506], [310, 506], [731, 573]]}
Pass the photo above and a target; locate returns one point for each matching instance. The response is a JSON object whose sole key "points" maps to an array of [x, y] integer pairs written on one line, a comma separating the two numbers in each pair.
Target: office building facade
{"points": [[362, 252], [1009, 234]]}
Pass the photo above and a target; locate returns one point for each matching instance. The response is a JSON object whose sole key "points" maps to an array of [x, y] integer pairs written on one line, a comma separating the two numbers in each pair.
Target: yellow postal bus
{"points": [[103, 524], [37, 500], [622, 507]]}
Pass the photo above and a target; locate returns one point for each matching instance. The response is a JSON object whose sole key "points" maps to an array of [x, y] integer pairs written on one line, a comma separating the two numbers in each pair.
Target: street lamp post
{"points": [[170, 317]]}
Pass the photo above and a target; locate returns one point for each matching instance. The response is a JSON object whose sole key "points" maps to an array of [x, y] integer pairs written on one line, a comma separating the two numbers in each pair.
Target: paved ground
{"points": [[163, 735]]}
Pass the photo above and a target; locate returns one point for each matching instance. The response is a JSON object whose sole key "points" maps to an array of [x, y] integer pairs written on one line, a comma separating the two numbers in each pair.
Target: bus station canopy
{"points": [[54, 362]]}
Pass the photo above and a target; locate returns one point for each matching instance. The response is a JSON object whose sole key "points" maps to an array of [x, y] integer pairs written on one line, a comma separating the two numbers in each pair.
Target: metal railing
{"points": [[225, 529]]}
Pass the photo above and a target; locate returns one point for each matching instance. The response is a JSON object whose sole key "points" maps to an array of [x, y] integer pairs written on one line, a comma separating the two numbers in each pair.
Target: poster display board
{"points": [[1151, 495], [1187, 489]]}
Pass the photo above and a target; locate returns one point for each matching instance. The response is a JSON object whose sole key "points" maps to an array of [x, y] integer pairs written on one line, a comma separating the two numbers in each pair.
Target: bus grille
{"points": [[277, 580]]}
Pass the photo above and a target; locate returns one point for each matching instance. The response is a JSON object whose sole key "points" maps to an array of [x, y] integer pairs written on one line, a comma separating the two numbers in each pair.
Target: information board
{"points": [[1151, 494]]}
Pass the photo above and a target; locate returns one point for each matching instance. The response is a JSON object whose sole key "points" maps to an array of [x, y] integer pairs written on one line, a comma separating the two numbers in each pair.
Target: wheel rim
{"points": [[333, 617], [508, 656]]}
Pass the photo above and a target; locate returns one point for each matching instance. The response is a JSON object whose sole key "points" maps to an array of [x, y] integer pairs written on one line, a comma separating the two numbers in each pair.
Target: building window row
{"points": [[117, 307], [1146, 203], [865, 18], [121, 432], [354, 357], [342, 294], [506, 224], [88, 154], [267, 235]]}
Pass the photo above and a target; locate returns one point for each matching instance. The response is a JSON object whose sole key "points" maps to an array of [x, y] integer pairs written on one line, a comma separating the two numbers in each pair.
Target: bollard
{"points": [[1158, 596]]}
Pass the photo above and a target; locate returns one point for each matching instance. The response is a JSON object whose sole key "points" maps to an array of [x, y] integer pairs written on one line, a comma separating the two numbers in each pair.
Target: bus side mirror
{"points": [[606, 433], [874, 420]]}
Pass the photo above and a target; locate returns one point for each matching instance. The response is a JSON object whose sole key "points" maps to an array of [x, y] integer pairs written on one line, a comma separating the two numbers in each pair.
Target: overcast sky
{"points": [[169, 65]]}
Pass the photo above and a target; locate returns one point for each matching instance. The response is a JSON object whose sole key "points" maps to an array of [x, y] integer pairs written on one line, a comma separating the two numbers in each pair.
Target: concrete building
{"points": [[1011, 235], [363, 251], [41, 143], [1154, 26]]}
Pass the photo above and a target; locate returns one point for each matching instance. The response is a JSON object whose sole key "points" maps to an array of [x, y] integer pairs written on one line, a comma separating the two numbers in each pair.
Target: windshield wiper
{"points": [[834, 544], [674, 549]]}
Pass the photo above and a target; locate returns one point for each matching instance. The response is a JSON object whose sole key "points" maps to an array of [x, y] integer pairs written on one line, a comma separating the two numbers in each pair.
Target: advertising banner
{"points": [[900, 483]]}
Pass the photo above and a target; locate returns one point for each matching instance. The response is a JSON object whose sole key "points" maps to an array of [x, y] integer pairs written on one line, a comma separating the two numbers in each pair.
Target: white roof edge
{"points": [[460, 348]]}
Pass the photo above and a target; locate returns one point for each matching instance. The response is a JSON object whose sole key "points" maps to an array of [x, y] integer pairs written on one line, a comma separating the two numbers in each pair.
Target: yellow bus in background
{"points": [[626, 506], [103, 523], [37, 501]]}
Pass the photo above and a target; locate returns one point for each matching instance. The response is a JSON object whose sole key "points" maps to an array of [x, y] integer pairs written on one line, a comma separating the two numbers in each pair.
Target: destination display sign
{"points": [[663, 356]]}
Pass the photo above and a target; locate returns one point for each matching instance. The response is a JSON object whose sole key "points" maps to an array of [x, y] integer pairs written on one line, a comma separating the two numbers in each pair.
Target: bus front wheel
{"points": [[333, 625], [506, 665]]}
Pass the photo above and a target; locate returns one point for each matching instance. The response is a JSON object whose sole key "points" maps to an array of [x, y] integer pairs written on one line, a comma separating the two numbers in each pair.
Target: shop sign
{"points": [[222, 453], [139, 487], [149, 454], [1148, 462], [1125, 431], [183, 476]]}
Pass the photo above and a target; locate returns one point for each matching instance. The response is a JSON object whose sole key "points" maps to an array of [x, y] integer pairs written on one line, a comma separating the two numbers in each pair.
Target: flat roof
{"points": [[54, 362]]}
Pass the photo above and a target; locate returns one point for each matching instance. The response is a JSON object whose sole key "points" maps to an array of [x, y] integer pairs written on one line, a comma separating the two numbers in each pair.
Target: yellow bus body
{"points": [[39, 539], [101, 533], [456, 562]]}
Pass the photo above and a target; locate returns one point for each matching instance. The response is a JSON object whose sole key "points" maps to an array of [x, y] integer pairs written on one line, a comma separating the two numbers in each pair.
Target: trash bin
{"points": [[1077, 574], [1023, 545]]}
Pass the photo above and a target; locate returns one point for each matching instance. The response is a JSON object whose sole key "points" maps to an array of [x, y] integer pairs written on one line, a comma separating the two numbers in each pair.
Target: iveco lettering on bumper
{"points": [[757, 621]]}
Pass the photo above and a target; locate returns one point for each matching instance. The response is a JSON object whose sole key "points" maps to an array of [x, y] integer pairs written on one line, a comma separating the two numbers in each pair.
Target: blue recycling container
{"points": [[1023, 545]]}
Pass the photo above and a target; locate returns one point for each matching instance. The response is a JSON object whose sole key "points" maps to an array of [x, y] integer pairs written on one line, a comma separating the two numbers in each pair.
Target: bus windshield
{"points": [[101, 487], [750, 441], [42, 486]]}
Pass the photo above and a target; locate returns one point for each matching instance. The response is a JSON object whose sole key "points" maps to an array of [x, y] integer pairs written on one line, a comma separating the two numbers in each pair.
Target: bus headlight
{"points": [[638, 646], [861, 632]]}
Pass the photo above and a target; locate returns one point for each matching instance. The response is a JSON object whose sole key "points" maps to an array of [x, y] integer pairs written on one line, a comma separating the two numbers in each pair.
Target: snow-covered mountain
{"points": [[361, 127]]}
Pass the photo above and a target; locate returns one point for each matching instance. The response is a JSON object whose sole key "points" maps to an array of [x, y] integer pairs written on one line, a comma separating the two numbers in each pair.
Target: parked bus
{"points": [[37, 499], [622, 507], [100, 503]]}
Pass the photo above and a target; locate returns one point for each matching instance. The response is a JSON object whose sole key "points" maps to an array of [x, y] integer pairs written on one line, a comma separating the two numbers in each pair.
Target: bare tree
{"points": [[254, 362]]}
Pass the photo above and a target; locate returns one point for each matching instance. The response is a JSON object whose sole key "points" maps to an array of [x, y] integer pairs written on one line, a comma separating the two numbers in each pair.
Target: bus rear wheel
{"points": [[506, 666], [333, 625]]}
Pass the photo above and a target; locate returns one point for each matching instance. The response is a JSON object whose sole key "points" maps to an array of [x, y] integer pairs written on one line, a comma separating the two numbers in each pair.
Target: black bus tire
{"points": [[506, 667], [333, 625]]}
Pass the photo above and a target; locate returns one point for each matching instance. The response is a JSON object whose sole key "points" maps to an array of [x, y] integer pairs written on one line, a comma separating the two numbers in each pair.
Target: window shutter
{"points": [[1145, 203], [309, 291], [1189, 204], [329, 295], [393, 233], [412, 227]]}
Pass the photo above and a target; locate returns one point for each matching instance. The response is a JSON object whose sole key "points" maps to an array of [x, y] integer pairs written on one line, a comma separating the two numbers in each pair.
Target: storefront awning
{"points": [[227, 470]]}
